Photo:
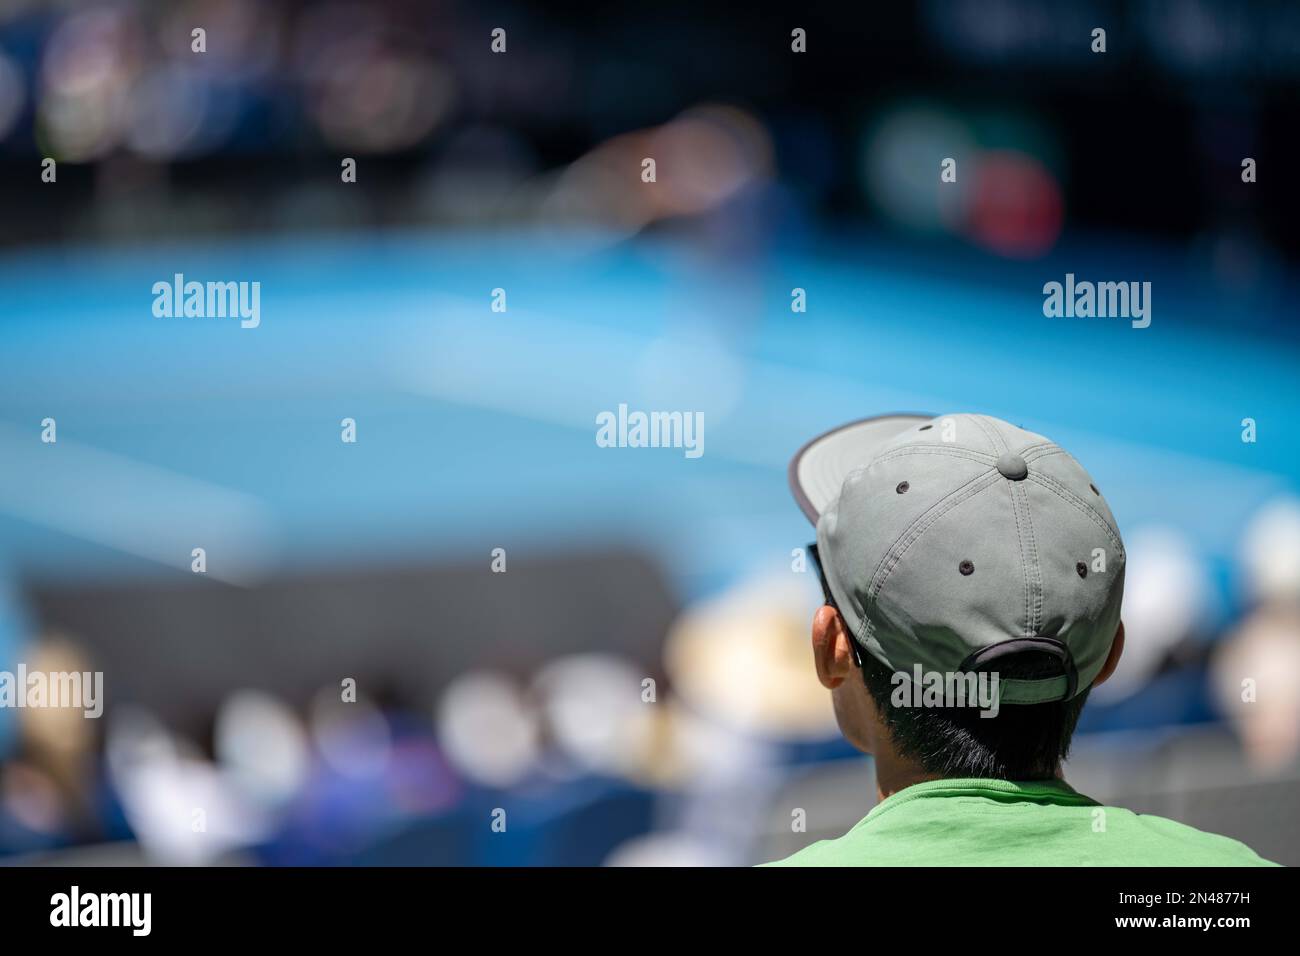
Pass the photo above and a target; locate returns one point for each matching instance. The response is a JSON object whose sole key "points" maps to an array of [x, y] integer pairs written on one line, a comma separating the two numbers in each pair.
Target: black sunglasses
{"points": [[829, 598]]}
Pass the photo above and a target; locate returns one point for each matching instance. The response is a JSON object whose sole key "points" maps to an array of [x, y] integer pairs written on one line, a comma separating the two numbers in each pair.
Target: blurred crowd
{"points": [[154, 138]]}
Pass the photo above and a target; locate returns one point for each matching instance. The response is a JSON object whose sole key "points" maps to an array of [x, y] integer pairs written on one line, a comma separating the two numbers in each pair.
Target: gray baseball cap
{"points": [[955, 541]]}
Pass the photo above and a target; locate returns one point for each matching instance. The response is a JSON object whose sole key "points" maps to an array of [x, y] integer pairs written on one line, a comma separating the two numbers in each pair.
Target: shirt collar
{"points": [[1003, 791]]}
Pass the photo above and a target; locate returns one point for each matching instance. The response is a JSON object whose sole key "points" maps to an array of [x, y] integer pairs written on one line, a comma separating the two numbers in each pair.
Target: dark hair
{"points": [[1023, 742]]}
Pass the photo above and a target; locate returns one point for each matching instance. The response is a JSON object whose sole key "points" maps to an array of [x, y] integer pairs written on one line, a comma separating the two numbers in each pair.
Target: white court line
{"points": [[133, 507]]}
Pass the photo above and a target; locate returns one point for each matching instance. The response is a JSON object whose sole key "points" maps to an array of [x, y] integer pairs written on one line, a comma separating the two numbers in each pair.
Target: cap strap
{"points": [[984, 659]]}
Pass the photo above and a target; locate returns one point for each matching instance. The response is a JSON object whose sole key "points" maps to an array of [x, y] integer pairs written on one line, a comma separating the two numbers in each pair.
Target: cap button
{"points": [[1012, 466]]}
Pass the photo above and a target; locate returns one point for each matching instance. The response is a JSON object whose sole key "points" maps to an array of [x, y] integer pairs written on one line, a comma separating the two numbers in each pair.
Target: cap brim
{"points": [[818, 469]]}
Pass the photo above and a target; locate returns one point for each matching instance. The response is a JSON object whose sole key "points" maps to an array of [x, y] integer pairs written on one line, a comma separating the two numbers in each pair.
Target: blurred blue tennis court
{"points": [[476, 428]]}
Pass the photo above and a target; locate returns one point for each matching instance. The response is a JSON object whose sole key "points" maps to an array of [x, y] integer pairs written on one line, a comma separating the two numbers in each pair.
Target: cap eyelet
{"points": [[966, 567], [1082, 569], [902, 487], [925, 428], [1094, 489]]}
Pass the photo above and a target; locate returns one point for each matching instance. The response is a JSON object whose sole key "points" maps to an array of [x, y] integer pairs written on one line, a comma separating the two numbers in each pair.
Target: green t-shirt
{"points": [[1001, 823]]}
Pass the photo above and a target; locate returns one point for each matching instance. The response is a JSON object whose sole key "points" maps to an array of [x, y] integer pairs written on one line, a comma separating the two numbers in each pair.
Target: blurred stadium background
{"points": [[521, 171]]}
